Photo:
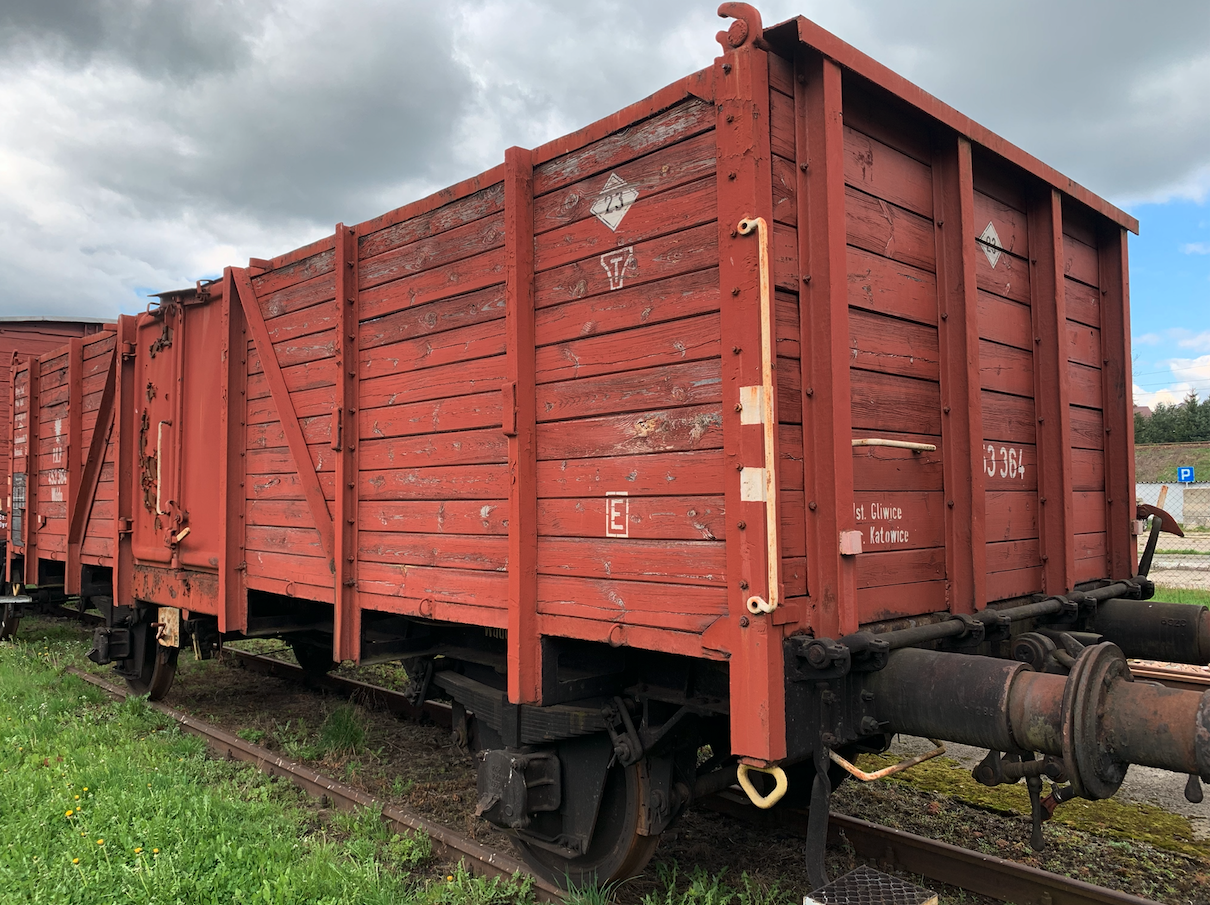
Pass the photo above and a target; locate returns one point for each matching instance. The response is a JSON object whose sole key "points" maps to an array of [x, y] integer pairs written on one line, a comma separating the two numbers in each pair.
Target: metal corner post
{"points": [[745, 194], [347, 643], [520, 426], [827, 409], [961, 396]]}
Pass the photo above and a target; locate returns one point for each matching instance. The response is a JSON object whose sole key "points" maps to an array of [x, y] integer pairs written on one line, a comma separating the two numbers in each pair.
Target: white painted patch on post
{"points": [[752, 485], [850, 543], [615, 200], [617, 513], [991, 245], [618, 264], [752, 405]]}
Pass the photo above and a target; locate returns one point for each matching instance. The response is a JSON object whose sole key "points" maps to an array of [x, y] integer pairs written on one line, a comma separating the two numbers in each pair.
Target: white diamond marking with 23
{"points": [[990, 243], [615, 200]]}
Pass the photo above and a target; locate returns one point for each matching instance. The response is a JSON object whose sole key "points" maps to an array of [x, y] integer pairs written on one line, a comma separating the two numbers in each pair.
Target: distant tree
{"points": [[1185, 422]]}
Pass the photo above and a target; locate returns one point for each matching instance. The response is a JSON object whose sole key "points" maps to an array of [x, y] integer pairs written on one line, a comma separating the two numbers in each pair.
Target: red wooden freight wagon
{"points": [[763, 414]]}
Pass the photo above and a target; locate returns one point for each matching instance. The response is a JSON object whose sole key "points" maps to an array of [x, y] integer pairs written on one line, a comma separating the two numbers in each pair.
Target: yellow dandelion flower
{"points": [[68, 814], [84, 834], [155, 851], [100, 842], [86, 788], [75, 860], [77, 798], [449, 878], [138, 850]]}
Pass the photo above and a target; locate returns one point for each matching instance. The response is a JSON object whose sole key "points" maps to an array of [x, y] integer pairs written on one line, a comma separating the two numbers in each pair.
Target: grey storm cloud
{"points": [[146, 144]]}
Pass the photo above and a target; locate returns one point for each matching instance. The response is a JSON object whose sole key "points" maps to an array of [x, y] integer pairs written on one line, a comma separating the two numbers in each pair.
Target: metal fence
{"points": [[1189, 504]]}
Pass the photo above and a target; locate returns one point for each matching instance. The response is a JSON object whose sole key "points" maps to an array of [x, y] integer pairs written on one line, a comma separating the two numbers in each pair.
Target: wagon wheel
{"points": [[10, 618], [158, 671], [617, 851], [314, 659]]}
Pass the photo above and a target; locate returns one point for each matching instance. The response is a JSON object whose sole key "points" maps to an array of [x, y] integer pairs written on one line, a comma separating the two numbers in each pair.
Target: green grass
{"points": [[1182, 595], [108, 802]]}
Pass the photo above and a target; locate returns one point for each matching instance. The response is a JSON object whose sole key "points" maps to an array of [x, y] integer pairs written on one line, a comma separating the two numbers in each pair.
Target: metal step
{"points": [[867, 886]]}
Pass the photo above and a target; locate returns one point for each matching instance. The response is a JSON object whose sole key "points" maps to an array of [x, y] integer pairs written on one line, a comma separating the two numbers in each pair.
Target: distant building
{"points": [[1143, 410]]}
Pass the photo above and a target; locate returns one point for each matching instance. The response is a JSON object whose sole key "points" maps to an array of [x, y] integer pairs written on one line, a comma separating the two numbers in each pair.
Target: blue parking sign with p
{"points": [[1184, 474]]}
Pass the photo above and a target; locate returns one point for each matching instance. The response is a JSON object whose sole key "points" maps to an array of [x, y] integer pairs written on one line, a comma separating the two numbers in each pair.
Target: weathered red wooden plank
{"points": [[305, 349], [1010, 223], [308, 376], [882, 171], [630, 307], [1005, 322], [310, 570], [482, 203], [1089, 512], [876, 468], [434, 317], [1009, 465], [1083, 344], [886, 402], [877, 604], [892, 346], [900, 520], [318, 318], [284, 486], [900, 567], [660, 474], [887, 119], [1013, 583], [889, 287], [634, 602], [692, 383], [682, 643], [1012, 515], [457, 379], [473, 447], [281, 460], [1087, 428], [1008, 419], [781, 76], [1005, 556], [458, 413], [317, 263], [293, 304], [676, 429], [672, 166], [441, 252], [476, 517], [665, 560], [1085, 386], [781, 124], [1083, 302], [633, 265], [447, 551], [1008, 278], [451, 482], [482, 590], [271, 435], [1094, 566], [464, 276], [1006, 369], [888, 230], [629, 350], [287, 540], [674, 210], [307, 403], [688, 118], [645, 518], [472, 341], [1080, 260], [785, 188]]}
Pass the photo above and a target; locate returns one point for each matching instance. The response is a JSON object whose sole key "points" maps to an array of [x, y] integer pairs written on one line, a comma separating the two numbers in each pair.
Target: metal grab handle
{"points": [[887, 771], [764, 802], [896, 444], [757, 605]]}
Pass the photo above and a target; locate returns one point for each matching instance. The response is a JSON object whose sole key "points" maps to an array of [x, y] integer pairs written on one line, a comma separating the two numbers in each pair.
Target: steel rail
{"points": [[445, 842], [940, 862], [1172, 677]]}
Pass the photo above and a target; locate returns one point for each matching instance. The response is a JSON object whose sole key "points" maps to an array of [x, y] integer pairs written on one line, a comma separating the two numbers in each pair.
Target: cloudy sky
{"points": [[146, 144]]}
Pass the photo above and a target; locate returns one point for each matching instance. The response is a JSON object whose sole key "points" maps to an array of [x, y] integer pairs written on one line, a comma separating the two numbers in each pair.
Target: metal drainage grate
{"points": [[866, 886]]}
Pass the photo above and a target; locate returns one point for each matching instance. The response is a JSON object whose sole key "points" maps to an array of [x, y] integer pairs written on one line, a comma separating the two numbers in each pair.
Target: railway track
{"points": [[975, 872]]}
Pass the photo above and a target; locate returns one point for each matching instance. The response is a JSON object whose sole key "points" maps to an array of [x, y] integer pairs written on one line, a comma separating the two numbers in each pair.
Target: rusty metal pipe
{"points": [[1097, 719], [1156, 629]]}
